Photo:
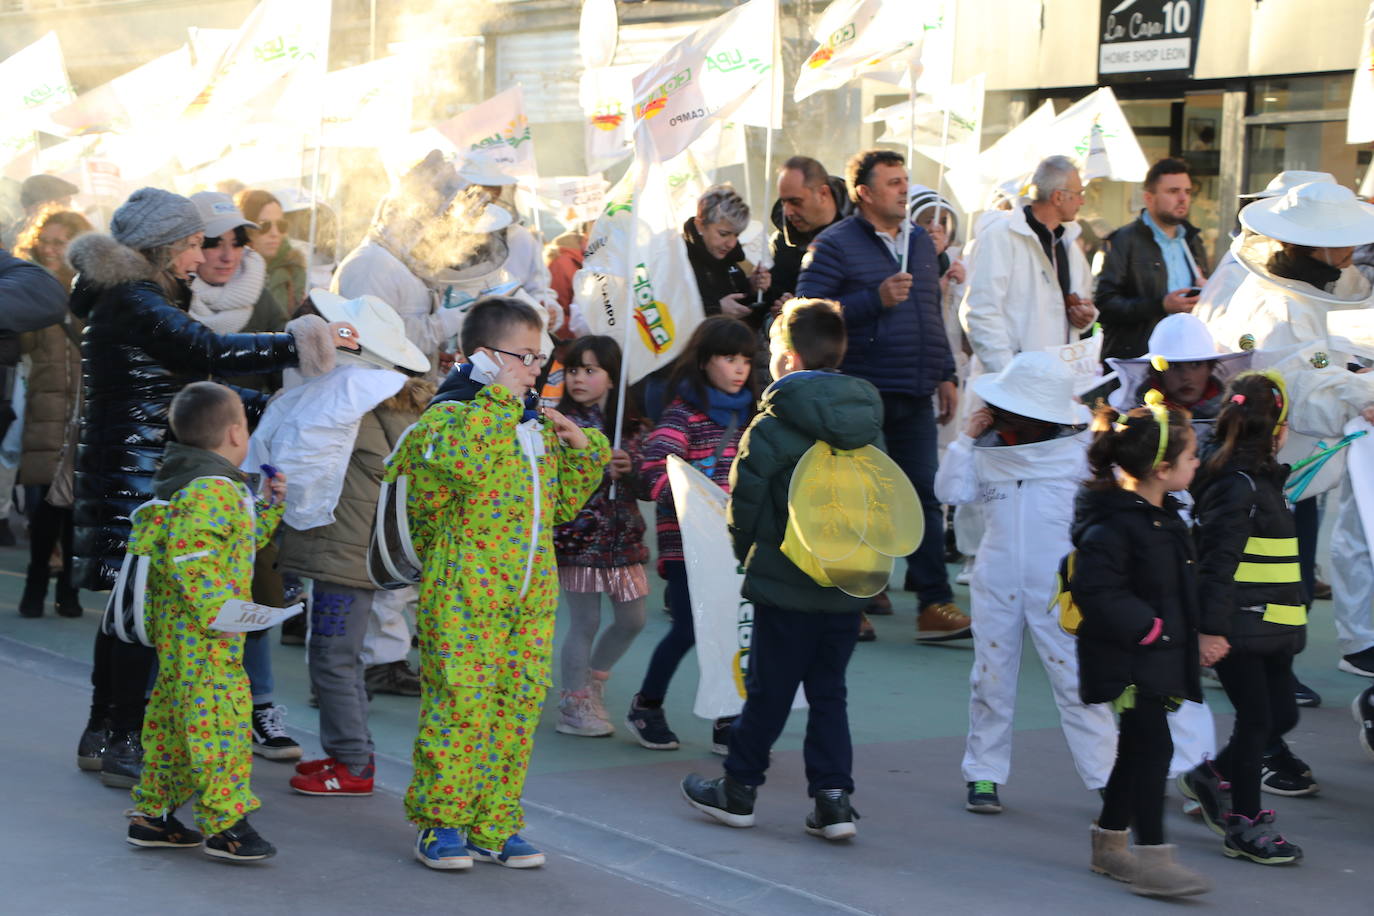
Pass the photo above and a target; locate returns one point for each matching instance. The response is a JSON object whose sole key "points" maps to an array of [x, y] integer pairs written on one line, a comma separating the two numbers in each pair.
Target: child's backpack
{"points": [[124, 613], [1070, 617]]}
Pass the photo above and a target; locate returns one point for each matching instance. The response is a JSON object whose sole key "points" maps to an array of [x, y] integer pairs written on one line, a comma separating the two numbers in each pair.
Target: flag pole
{"points": [[764, 213], [910, 157], [623, 386], [315, 187]]}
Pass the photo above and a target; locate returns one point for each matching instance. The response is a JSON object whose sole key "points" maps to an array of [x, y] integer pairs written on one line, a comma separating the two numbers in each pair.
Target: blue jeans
{"points": [[678, 641], [257, 663], [791, 648], [911, 434]]}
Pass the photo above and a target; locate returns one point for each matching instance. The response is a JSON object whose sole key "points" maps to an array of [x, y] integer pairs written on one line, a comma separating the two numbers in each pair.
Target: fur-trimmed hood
{"points": [[103, 262]]}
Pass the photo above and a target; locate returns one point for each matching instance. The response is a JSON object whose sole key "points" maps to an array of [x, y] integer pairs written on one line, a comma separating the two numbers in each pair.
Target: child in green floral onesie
{"points": [[488, 478], [201, 534]]}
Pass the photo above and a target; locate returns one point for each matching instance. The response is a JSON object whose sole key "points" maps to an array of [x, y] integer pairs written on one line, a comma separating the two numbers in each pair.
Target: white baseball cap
{"points": [[219, 213]]}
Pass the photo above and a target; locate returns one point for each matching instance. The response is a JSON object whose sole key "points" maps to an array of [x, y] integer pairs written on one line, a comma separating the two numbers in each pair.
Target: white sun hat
{"points": [[481, 168], [1178, 338], [1286, 181], [381, 332], [1035, 384], [1316, 214]]}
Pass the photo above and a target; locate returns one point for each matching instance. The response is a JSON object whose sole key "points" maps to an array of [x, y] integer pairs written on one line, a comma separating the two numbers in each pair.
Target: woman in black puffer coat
{"points": [[138, 350]]}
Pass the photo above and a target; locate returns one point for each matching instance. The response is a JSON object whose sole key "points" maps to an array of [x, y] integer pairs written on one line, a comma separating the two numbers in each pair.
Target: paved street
{"points": [[619, 836]]}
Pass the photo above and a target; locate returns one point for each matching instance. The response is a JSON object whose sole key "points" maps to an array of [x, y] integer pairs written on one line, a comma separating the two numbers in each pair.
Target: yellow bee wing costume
{"points": [[850, 514]]}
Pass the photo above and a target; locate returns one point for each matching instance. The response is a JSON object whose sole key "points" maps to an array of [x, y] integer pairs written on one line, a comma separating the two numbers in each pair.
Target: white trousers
{"points": [[1194, 734], [389, 627], [1352, 577], [998, 630]]}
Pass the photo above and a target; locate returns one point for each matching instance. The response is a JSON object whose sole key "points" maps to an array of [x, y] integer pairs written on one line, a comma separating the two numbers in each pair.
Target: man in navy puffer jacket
{"points": [[896, 341]]}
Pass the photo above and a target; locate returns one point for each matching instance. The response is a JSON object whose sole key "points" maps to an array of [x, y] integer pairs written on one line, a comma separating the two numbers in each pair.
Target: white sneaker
{"points": [[576, 716]]}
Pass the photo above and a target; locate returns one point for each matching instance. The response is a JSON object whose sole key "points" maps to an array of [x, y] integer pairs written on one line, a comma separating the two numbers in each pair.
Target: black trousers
{"points": [[48, 526], [791, 649], [1260, 687], [1134, 796], [119, 682]]}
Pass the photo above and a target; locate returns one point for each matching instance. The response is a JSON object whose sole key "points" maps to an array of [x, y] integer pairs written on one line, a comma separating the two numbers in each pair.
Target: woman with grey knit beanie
{"points": [[139, 349]]}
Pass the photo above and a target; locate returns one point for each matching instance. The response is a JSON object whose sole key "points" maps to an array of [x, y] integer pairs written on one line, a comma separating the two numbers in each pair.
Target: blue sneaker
{"points": [[516, 853], [442, 848]]}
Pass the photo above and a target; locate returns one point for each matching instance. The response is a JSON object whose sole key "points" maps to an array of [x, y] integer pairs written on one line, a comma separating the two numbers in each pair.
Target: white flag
{"points": [[1360, 124], [706, 76], [1011, 158], [33, 81], [366, 105], [498, 127], [155, 93], [857, 37], [957, 141], [280, 42], [33, 84], [636, 254], [1097, 120], [607, 97]]}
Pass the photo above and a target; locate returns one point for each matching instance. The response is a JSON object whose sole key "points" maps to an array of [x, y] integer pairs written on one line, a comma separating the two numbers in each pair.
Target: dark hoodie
{"points": [[182, 464], [1135, 563], [788, 246], [797, 411]]}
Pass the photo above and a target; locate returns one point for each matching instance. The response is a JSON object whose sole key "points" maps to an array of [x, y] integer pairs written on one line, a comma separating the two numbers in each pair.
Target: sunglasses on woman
{"points": [[263, 225]]}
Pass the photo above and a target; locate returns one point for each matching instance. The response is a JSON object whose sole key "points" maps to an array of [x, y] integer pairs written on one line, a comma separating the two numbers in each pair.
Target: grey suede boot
{"points": [[1112, 855], [1159, 875]]}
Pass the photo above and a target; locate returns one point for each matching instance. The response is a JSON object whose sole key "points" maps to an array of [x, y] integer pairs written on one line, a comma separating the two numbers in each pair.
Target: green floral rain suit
{"points": [[485, 488], [197, 740]]}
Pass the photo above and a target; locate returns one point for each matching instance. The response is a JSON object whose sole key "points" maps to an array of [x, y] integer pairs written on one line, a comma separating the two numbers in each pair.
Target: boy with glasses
{"points": [[488, 476]]}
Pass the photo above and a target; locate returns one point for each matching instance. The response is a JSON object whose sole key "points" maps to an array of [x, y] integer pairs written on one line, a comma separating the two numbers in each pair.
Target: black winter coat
{"points": [[138, 350], [719, 277], [1135, 563], [787, 245], [1246, 533], [1131, 288]]}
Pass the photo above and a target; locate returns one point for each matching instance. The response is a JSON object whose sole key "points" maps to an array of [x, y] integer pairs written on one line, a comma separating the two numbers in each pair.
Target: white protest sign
{"points": [[1084, 359], [239, 616], [574, 200], [724, 620]]}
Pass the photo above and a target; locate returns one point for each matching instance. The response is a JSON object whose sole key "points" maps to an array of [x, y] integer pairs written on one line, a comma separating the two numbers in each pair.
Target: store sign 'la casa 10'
{"points": [[1148, 39]]}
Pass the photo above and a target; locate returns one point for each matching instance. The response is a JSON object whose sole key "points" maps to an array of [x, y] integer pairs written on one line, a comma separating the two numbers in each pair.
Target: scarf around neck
{"points": [[722, 408], [226, 309]]}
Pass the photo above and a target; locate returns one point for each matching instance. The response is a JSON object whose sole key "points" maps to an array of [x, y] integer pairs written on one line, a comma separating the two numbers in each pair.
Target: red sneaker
{"points": [[306, 767], [334, 780]]}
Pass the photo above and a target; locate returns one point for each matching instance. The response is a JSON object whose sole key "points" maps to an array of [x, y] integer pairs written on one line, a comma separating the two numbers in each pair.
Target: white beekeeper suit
{"points": [[1027, 493], [1216, 293], [1287, 321], [1013, 302]]}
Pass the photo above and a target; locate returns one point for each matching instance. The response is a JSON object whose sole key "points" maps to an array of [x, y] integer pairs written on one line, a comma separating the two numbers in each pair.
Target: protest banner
{"points": [[723, 619]]}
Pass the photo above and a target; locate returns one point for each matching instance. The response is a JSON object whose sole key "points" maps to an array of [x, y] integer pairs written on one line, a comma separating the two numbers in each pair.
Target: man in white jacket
{"points": [[1029, 285]]}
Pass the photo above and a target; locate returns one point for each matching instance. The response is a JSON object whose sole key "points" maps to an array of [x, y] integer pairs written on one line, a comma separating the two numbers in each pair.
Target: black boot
{"points": [[122, 764], [90, 750], [35, 595], [68, 600]]}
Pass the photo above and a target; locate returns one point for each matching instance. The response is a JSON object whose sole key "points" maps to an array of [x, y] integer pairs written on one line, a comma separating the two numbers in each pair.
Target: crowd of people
{"points": [[425, 455]]}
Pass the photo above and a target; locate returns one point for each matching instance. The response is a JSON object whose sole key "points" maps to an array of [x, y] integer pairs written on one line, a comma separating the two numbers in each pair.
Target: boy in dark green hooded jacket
{"points": [[804, 632]]}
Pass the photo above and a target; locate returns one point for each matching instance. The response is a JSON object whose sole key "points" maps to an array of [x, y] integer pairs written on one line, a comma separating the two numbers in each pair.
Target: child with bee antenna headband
{"points": [[1254, 611], [1137, 590]]}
